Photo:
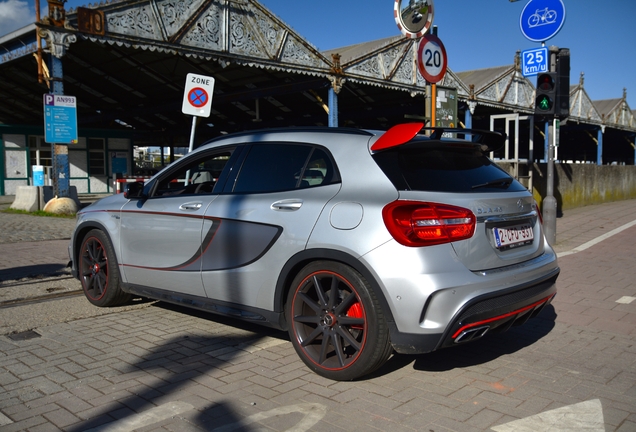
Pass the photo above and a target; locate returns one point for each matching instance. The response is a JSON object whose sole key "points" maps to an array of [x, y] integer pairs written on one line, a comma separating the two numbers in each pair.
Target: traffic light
{"points": [[545, 101], [562, 103]]}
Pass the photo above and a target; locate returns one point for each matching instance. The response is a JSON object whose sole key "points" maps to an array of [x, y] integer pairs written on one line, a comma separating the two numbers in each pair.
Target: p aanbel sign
{"points": [[60, 119]]}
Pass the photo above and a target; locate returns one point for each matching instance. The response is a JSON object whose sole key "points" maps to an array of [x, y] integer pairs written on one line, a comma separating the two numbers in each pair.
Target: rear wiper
{"points": [[500, 183]]}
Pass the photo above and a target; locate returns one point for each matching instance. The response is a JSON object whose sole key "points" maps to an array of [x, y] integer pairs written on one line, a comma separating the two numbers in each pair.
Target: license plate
{"points": [[514, 236]]}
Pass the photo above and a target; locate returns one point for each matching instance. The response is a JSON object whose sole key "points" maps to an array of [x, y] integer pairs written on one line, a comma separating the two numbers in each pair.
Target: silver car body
{"points": [[236, 253]]}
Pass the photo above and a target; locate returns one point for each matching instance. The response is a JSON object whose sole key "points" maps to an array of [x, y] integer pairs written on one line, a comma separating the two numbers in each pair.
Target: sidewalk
{"points": [[33, 246], [165, 368], [580, 225]]}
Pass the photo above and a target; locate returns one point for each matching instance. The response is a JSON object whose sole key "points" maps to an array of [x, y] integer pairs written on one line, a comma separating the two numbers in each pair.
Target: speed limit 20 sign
{"points": [[431, 58]]}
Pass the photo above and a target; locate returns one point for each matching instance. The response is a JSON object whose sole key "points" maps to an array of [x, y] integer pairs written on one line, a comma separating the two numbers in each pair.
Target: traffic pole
{"points": [[550, 202]]}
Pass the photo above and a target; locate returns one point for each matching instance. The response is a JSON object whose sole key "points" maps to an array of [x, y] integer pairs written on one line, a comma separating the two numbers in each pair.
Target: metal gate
{"points": [[521, 167]]}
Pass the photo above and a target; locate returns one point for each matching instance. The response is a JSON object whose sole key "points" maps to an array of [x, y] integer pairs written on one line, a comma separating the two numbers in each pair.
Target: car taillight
{"points": [[415, 223]]}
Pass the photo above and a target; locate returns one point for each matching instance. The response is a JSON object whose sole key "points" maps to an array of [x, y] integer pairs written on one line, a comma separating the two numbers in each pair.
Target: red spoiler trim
{"points": [[397, 135]]}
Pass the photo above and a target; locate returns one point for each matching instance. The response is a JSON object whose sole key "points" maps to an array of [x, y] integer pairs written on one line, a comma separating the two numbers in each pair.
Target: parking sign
{"points": [[197, 95]]}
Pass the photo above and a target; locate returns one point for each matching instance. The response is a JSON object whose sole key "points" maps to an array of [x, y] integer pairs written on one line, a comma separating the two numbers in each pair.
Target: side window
{"points": [[319, 170], [198, 176], [272, 168]]}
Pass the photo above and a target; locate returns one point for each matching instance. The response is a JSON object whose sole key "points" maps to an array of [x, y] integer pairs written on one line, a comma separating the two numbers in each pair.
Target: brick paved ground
{"points": [[166, 368]]}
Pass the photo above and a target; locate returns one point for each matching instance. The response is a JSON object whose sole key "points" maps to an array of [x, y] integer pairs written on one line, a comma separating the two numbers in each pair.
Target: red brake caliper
{"points": [[355, 311]]}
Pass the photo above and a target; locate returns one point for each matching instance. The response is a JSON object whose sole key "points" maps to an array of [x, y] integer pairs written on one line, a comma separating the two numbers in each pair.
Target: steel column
{"points": [[333, 108], [599, 148], [59, 153]]}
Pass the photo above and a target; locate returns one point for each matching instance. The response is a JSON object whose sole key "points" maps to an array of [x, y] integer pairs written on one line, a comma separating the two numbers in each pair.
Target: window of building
{"points": [[39, 152], [96, 156]]}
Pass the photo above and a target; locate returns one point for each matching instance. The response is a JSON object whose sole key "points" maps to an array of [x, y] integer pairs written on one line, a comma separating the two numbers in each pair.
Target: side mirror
{"points": [[134, 190]]}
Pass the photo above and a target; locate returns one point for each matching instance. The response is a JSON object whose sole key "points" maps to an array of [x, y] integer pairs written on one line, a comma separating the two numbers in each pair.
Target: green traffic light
{"points": [[544, 103]]}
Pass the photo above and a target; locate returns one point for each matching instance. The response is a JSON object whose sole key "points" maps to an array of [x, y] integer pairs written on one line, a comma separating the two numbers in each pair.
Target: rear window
{"points": [[440, 167]]}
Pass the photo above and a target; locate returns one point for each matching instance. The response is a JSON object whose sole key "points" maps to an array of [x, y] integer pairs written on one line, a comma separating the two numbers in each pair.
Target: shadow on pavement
{"points": [[34, 271], [168, 367], [161, 373]]}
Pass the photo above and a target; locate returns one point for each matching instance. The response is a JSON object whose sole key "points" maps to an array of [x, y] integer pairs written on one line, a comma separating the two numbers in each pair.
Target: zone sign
{"points": [[197, 95]]}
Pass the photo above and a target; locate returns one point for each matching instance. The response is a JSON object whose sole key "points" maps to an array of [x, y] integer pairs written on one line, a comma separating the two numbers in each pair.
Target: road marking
{"points": [[314, 412], [597, 240], [146, 418], [625, 300], [4, 420], [587, 416]]}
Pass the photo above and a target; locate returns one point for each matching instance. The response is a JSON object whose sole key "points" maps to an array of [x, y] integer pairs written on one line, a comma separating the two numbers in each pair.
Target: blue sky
{"points": [[476, 33]]}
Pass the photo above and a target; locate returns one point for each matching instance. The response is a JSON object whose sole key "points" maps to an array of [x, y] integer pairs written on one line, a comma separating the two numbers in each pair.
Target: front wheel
{"points": [[98, 271], [336, 323]]}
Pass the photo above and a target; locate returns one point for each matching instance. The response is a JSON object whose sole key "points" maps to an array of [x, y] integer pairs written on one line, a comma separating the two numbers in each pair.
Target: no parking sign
{"points": [[197, 95]]}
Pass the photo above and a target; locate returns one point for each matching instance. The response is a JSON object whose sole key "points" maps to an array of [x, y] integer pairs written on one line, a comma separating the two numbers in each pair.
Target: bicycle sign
{"points": [[542, 19], [534, 61]]}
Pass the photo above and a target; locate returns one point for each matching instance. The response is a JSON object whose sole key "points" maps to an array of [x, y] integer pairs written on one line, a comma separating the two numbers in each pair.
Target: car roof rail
{"points": [[293, 129]]}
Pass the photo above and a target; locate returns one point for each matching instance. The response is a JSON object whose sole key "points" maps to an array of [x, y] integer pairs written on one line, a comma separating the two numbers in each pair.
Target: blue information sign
{"points": [[542, 19], [534, 61], [60, 119]]}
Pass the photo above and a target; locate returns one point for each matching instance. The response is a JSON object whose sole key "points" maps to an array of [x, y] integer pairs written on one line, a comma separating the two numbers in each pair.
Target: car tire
{"points": [[336, 323], [99, 272]]}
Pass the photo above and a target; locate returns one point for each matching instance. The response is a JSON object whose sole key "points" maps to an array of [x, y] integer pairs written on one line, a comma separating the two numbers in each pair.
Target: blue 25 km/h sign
{"points": [[534, 61], [542, 19]]}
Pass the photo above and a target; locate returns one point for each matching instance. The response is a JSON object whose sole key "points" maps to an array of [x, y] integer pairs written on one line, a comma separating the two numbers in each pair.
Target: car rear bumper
{"points": [[494, 312]]}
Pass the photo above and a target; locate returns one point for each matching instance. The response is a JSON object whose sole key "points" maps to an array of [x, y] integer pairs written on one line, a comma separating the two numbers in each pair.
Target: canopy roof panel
{"points": [[132, 75]]}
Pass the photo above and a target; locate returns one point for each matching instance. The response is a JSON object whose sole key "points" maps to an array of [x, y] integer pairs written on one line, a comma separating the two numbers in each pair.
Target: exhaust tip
{"points": [[471, 334]]}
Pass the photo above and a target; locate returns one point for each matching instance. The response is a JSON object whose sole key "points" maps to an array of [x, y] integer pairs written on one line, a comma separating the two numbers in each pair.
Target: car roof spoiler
{"points": [[401, 134]]}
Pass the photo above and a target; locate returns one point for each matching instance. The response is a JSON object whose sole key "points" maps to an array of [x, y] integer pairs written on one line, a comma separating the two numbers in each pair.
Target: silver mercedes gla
{"points": [[358, 243]]}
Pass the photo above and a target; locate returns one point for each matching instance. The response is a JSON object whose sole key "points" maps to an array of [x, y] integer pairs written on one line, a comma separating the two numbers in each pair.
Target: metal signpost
{"points": [[541, 20], [197, 99], [414, 18], [432, 63], [60, 127]]}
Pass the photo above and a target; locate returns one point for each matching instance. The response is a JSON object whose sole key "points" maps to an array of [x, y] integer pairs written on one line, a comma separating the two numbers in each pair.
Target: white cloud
{"points": [[15, 14]]}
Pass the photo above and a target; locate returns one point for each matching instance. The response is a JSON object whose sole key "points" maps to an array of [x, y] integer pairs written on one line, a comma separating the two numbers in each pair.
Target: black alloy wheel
{"points": [[336, 324], [98, 271]]}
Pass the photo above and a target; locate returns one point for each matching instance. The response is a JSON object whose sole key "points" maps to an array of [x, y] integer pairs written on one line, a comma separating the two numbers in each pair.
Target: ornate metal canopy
{"points": [[126, 63]]}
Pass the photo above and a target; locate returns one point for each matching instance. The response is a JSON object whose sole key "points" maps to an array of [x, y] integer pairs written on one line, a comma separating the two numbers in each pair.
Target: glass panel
{"points": [[197, 176], [96, 157], [272, 168]]}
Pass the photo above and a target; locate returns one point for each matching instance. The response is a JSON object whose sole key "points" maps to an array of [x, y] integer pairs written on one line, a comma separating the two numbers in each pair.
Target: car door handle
{"points": [[192, 206], [287, 205]]}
